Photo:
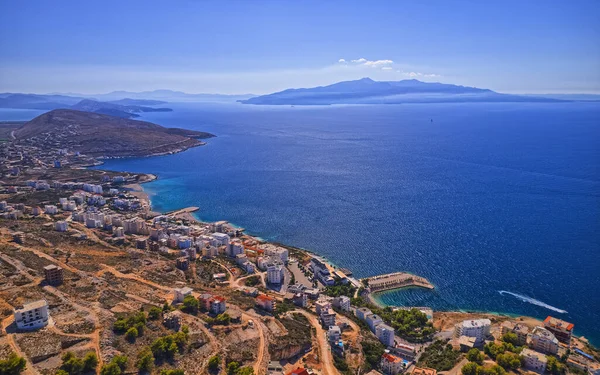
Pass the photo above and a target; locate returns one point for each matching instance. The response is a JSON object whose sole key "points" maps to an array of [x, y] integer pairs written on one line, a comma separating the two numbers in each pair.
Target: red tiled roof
{"points": [[391, 358], [557, 323], [299, 371], [264, 297]]}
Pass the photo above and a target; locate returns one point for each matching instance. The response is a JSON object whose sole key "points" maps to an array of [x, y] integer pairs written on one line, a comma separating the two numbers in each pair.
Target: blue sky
{"points": [[264, 46]]}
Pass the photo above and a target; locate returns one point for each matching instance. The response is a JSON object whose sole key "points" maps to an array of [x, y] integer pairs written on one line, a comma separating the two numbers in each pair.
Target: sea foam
{"points": [[533, 301]]}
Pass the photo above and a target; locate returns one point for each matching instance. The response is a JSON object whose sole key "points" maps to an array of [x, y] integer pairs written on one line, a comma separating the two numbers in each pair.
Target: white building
{"points": [[327, 317], [275, 274], [391, 364], [180, 293], [385, 334], [321, 306], [276, 251], [479, 329], [534, 361], [342, 303], [32, 316], [235, 248], [542, 340], [248, 267], [362, 313], [221, 238], [334, 333], [372, 321], [210, 252], [217, 305], [61, 226], [51, 209]]}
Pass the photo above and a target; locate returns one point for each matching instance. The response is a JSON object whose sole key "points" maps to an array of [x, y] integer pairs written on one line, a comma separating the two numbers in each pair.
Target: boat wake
{"points": [[533, 301]]}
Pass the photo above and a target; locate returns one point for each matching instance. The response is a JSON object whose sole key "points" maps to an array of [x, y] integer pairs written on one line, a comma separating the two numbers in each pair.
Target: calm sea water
{"points": [[497, 204]]}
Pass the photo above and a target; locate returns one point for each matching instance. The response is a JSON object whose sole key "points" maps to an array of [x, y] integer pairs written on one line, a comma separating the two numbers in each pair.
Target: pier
{"points": [[395, 281]]}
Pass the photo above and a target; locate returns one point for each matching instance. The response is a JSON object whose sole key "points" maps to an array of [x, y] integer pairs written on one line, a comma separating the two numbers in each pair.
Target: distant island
{"points": [[125, 108], [105, 136], [368, 91]]}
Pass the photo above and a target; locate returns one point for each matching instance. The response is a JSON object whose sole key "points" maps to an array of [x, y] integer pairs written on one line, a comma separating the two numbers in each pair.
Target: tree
{"points": [[246, 370], [474, 355], [555, 367], [13, 365], [496, 370], [154, 313], [71, 364], [190, 304], [145, 361], [511, 338], [90, 362], [121, 361], [232, 367], [509, 361], [469, 369], [172, 372], [214, 362], [131, 334], [111, 369]]}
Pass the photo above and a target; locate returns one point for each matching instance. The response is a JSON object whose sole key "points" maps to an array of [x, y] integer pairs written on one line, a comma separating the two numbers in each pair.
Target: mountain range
{"points": [[368, 91], [125, 108], [105, 136]]}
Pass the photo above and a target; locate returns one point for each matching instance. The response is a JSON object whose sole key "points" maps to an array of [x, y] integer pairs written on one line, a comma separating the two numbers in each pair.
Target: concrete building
{"points": [[235, 248], [275, 274], [321, 306], [183, 263], [362, 313], [32, 316], [342, 303], [334, 333], [222, 239], [180, 293], [275, 251], [300, 299], [405, 351], [265, 302], [53, 274], [519, 329], [560, 329], [51, 209], [327, 317], [392, 365], [479, 329], [321, 272], [61, 226], [534, 361], [385, 334], [372, 321], [542, 340], [217, 305], [204, 300]]}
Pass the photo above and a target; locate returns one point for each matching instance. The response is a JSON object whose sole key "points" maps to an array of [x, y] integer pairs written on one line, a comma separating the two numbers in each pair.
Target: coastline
{"points": [[442, 318]]}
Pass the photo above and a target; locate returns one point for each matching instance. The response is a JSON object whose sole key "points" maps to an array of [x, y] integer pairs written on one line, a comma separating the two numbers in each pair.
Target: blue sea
{"points": [[498, 205]]}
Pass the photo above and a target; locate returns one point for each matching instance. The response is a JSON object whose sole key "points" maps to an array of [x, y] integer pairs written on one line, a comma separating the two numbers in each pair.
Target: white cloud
{"points": [[378, 63], [387, 68], [372, 63], [417, 74], [342, 61]]}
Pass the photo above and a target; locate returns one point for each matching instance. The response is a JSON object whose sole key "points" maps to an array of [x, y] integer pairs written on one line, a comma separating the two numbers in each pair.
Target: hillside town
{"points": [[93, 281]]}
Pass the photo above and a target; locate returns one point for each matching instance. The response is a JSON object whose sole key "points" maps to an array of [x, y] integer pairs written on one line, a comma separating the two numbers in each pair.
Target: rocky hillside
{"points": [[105, 136]]}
